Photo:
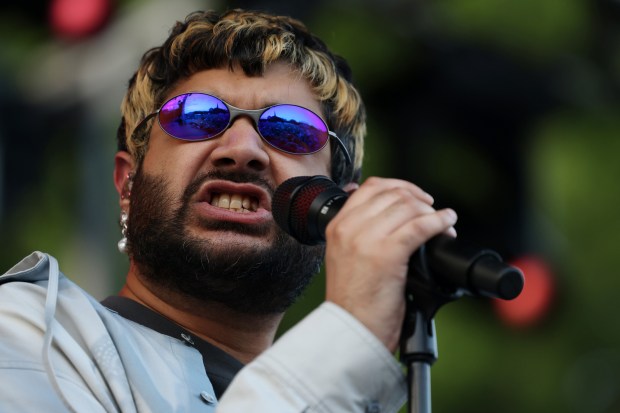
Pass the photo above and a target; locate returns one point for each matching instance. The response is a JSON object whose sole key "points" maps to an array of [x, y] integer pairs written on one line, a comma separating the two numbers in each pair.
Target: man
{"points": [[228, 108]]}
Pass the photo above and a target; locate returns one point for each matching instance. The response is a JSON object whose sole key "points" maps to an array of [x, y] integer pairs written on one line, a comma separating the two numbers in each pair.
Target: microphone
{"points": [[303, 206]]}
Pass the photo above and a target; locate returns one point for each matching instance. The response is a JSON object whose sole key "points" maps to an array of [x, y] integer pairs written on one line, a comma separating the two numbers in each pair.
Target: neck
{"points": [[243, 336]]}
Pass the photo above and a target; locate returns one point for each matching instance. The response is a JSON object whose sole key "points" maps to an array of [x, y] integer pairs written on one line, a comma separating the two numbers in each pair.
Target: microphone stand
{"points": [[418, 342], [465, 270]]}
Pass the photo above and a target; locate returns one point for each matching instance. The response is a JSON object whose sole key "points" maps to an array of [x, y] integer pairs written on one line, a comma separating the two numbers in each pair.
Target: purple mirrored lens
{"points": [[194, 116], [293, 129]]}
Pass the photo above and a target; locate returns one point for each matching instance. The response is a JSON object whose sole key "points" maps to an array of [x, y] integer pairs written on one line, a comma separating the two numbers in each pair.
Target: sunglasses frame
{"points": [[255, 115]]}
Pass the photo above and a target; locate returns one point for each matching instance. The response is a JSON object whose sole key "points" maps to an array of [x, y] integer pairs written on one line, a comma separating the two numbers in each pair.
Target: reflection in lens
{"points": [[293, 129], [194, 116]]}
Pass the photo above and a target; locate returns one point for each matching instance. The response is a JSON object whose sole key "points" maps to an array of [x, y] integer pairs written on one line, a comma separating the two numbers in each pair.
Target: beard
{"points": [[264, 278]]}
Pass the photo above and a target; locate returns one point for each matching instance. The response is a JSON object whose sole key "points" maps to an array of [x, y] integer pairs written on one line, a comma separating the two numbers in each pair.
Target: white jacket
{"points": [[60, 350]]}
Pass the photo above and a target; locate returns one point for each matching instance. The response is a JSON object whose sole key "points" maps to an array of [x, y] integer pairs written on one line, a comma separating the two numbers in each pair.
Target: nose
{"points": [[240, 147]]}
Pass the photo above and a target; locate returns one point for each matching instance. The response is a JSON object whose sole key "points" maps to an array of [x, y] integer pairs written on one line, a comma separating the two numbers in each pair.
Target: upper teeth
{"points": [[235, 202]]}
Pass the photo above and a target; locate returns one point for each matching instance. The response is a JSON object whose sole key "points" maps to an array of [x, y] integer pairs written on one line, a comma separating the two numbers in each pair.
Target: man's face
{"points": [[200, 216]]}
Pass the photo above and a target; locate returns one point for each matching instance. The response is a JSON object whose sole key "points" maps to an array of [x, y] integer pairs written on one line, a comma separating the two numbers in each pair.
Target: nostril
{"points": [[256, 165], [224, 162]]}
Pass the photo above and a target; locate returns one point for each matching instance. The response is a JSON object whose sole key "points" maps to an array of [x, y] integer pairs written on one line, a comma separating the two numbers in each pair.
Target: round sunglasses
{"points": [[289, 128]]}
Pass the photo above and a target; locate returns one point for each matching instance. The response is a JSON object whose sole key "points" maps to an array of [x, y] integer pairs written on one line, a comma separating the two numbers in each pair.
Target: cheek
{"points": [[310, 165], [318, 163], [178, 161], [166, 170]]}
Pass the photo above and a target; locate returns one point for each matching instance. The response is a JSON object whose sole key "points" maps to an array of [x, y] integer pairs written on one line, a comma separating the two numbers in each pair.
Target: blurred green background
{"points": [[505, 110]]}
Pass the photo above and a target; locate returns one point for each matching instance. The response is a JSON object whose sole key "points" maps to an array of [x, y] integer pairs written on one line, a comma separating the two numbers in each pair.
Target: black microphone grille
{"points": [[291, 204]]}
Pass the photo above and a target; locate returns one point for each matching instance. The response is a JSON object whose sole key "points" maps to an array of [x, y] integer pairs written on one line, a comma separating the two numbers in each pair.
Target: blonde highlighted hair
{"points": [[252, 41]]}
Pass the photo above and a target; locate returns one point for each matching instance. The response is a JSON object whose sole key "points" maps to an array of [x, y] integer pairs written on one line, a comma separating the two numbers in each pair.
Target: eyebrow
{"points": [[265, 105]]}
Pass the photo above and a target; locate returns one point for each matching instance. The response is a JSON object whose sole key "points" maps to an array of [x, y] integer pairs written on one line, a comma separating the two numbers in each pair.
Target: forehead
{"points": [[279, 84]]}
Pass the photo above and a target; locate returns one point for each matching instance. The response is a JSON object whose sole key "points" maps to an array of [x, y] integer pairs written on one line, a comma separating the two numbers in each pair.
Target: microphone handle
{"points": [[454, 263], [450, 263]]}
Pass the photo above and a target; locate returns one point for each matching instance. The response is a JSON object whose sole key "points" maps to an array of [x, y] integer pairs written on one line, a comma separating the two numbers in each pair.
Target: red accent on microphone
{"points": [[291, 204]]}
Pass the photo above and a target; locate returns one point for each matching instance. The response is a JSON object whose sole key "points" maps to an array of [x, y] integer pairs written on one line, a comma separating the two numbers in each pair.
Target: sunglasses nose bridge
{"points": [[252, 114]]}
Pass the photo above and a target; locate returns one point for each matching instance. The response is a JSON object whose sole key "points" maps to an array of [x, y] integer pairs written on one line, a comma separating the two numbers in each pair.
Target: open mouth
{"points": [[235, 202]]}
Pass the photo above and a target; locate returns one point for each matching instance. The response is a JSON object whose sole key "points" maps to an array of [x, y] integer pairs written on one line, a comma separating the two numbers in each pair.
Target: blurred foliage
{"points": [[506, 110], [539, 29], [42, 213]]}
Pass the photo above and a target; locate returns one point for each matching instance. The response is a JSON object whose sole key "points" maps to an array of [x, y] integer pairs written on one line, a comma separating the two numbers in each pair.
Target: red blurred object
{"points": [[77, 19], [534, 302]]}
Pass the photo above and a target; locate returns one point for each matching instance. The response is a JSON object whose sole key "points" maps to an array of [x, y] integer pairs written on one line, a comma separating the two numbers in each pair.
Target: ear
{"points": [[124, 168], [351, 187]]}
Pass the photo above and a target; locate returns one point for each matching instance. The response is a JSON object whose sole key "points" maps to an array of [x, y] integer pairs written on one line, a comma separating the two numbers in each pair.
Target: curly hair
{"points": [[250, 40]]}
